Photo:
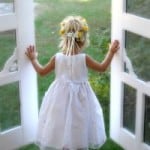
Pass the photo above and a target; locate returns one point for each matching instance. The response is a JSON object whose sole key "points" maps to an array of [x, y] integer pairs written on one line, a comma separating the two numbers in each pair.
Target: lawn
{"points": [[49, 14]]}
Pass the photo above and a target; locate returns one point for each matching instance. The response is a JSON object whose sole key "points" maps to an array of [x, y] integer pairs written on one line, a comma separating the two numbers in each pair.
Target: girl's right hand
{"points": [[114, 46], [31, 53]]}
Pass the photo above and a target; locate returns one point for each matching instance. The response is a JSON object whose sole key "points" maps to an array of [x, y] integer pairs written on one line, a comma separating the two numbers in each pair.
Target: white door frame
{"points": [[122, 21], [22, 20]]}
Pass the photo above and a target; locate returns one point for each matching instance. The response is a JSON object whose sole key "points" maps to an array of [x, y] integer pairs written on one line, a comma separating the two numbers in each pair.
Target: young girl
{"points": [[71, 117]]}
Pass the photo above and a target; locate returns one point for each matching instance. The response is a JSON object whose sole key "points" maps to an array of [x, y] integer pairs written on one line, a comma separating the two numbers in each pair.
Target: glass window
{"points": [[138, 7], [129, 108], [6, 6], [147, 120], [9, 106], [7, 46], [138, 52]]}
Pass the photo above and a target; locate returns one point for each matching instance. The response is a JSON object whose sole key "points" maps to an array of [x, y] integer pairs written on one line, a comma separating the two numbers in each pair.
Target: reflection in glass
{"points": [[9, 106], [129, 108], [126, 69], [147, 120], [7, 46], [138, 51], [138, 7], [6, 6]]}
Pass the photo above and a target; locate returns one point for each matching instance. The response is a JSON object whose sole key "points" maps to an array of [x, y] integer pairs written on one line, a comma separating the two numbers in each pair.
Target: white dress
{"points": [[70, 117]]}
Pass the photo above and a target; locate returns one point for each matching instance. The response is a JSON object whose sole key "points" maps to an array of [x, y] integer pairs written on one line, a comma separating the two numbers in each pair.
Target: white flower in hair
{"points": [[70, 34], [73, 35]]}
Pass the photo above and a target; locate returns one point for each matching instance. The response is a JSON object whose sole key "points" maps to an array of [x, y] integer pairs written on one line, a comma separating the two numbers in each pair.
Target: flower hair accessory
{"points": [[74, 34], [71, 34], [77, 34], [83, 29], [85, 25]]}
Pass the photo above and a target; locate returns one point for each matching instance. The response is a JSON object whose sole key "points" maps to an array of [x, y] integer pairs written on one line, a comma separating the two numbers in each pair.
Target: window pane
{"points": [[129, 108], [147, 120], [139, 7], [7, 46], [9, 106], [126, 67], [6, 6], [138, 52]]}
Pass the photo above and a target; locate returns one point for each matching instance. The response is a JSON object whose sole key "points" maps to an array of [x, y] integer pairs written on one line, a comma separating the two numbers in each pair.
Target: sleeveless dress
{"points": [[70, 117]]}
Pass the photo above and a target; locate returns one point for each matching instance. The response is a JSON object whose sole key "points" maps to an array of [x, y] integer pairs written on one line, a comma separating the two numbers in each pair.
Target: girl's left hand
{"points": [[31, 53], [114, 46]]}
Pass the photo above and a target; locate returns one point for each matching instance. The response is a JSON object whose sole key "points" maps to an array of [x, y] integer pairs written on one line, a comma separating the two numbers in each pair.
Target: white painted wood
{"points": [[28, 83], [127, 140], [136, 24], [10, 65], [12, 138], [144, 87], [140, 118], [9, 78], [8, 22], [116, 67], [23, 21], [122, 21]]}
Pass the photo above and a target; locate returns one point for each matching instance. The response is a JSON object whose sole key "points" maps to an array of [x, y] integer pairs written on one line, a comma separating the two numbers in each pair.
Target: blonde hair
{"points": [[74, 34]]}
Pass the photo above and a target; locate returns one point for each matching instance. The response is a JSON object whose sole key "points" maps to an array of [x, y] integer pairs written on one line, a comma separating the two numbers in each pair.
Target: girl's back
{"points": [[71, 68]]}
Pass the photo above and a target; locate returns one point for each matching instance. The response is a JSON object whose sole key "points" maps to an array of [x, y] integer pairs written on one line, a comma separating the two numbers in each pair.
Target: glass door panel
{"points": [[18, 101], [7, 46], [6, 6], [147, 120], [130, 75], [138, 7], [9, 106], [129, 108], [138, 51]]}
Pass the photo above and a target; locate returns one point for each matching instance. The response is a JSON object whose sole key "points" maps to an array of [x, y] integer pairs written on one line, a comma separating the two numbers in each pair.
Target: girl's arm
{"points": [[42, 70], [101, 67]]}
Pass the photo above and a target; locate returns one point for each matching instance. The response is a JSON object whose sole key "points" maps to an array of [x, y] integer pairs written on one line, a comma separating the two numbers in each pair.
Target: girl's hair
{"points": [[74, 34]]}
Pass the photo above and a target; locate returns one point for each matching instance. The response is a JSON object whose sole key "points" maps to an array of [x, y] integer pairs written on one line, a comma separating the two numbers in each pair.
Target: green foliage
{"points": [[100, 85], [100, 81], [30, 147], [109, 145]]}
